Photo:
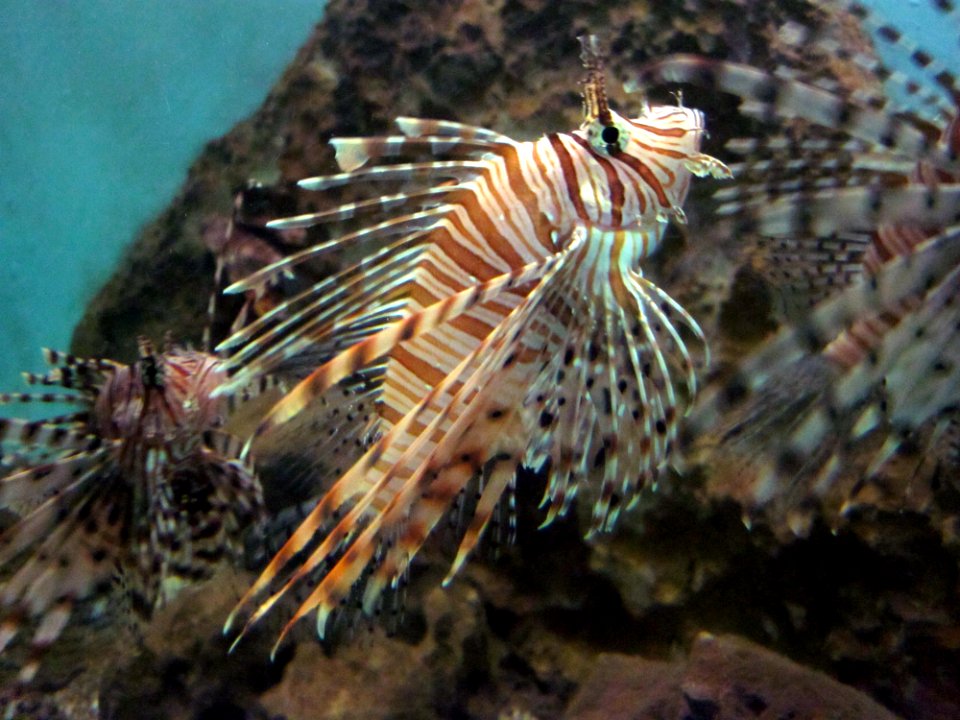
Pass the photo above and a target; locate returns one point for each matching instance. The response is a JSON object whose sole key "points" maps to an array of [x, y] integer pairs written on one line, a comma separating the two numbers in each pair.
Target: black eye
{"points": [[610, 135]]}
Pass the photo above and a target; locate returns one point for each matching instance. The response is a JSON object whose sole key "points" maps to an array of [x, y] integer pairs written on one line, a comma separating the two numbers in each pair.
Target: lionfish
{"points": [[500, 297], [859, 197], [139, 484], [241, 245]]}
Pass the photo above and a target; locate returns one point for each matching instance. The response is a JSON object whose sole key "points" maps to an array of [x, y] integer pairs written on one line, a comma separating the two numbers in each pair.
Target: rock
{"points": [[723, 678], [730, 678], [625, 686], [375, 676]]}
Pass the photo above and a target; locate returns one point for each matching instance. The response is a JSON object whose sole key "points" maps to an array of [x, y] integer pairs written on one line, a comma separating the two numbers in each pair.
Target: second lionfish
{"points": [[140, 482], [503, 302], [857, 199]]}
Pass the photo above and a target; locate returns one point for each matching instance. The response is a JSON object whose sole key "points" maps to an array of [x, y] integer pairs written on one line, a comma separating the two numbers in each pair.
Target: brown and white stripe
{"points": [[141, 481]]}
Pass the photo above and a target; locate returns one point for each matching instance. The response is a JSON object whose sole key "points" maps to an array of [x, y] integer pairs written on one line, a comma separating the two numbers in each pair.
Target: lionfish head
{"points": [[673, 132]]}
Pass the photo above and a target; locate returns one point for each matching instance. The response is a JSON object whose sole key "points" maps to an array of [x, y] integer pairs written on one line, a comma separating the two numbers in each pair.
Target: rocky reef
{"points": [[683, 612]]}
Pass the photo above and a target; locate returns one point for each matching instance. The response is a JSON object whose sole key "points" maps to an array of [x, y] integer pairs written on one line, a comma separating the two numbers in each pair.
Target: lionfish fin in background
{"points": [[502, 294], [877, 372], [864, 200], [910, 51]]}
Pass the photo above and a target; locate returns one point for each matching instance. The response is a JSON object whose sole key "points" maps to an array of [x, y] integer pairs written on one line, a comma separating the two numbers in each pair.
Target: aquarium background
{"points": [[103, 106], [553, 622]]}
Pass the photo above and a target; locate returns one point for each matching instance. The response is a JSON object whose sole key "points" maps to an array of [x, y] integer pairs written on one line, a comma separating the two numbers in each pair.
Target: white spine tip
{"points": [[233, 645], [323, 613], [228, 624]]}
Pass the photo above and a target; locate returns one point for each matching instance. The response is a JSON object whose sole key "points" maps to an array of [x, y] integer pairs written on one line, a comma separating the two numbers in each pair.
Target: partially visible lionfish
{"points": [[140, 483], [503, 302], [861, 197], [241, 245]]}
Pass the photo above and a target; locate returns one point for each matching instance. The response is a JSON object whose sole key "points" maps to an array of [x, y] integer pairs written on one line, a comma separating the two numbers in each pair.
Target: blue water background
{"points": [[922, 24], [103, 106]]}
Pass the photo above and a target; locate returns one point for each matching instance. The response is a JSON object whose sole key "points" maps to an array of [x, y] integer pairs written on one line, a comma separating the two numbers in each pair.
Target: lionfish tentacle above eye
{"points": [[501, 291]]}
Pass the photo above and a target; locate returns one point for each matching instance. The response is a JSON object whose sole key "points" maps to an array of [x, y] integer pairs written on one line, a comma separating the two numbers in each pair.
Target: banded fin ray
{"points": [[897, 281], [352, 482], [75, 555], [908, 48], [127, 487], [354, 152], [439, 171]]}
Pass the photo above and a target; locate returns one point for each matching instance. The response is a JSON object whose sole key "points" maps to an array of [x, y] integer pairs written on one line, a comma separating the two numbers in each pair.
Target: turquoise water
{"points": [[103, 106], [922, 24]]}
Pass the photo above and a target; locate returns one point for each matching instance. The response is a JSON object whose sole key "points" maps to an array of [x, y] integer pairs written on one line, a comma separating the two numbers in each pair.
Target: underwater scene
{"points": [[506, 360]]}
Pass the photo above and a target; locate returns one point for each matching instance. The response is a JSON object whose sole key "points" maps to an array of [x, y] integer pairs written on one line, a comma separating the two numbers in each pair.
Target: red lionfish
{"points": [[866, 213], [504, 303], [139, 481]]}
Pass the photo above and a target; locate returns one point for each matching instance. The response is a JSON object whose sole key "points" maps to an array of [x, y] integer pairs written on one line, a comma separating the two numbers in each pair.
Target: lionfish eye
{"points": [[608, 138]]}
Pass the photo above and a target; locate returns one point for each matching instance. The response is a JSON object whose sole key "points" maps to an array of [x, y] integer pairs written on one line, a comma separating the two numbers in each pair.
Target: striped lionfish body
{"points": [[862, 211], [502, 299], [139, 481]]}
